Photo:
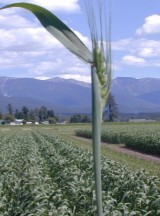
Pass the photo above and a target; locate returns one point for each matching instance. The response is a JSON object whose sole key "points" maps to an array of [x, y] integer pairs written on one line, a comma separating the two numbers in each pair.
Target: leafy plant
{"points": [[142, 137], [99, 59], [42, 174]]}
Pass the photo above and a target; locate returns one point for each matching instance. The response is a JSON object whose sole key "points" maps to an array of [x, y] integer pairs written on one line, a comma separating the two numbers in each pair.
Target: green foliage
{"points": [[19, 114], [39, 114], [100, 60], [84, 133], [8, 118], [52, 120], [45, 114], [142, 137], [111, 109], [25, 111], [45, 175], [80, 118]]}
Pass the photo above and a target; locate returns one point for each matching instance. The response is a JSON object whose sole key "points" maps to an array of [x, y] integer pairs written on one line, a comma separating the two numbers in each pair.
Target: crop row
{"points": [[140, 137], [44, 175], [124, 193], [26, 187]]}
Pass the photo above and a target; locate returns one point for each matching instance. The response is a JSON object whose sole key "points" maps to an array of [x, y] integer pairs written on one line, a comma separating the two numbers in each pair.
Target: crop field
{"points": [[44, 174], [141, 137]]}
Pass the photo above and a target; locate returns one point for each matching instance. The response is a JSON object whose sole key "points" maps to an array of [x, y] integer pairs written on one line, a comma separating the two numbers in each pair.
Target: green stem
{"points": [[96, 136]]}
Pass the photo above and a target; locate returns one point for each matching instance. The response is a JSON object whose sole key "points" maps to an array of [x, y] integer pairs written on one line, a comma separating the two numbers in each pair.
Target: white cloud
{"points": [[14, 21], [147, 48], [55, 5], [77, 77], [151, 26], [27, 39], [46, 67], [116, 67], [146, 52], [81, 68], [123, 44], [63, 64], [42, 78], [133, 60], [142, 47]]}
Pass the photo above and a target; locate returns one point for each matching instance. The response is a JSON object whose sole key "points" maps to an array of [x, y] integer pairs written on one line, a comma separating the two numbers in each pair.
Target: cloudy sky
{"points": [[27, 50]]}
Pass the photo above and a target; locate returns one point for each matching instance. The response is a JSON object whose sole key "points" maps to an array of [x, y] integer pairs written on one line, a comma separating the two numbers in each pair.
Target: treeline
{"points": [[41, 114], [80, 118], [29, 115], [111, 113]]}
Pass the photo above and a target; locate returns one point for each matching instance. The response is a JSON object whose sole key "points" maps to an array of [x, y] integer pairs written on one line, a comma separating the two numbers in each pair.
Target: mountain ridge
{"points": [[71, 96]]}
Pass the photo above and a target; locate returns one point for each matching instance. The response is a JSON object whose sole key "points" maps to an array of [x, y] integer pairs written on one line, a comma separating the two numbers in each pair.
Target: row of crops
{"points": [[44, 175], [141, 137]]}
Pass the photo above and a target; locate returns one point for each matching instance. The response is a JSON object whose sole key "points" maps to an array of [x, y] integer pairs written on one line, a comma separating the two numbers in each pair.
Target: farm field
{"points": [[132, 162], [45, 170], [142, 137]]}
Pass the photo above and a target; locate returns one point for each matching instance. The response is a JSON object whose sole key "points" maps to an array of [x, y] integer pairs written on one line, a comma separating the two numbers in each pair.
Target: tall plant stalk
{"points": [[96, 136], [101, 83], [99, 59]]}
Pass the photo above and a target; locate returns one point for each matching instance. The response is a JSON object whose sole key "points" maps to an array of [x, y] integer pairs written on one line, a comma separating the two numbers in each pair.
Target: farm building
{"points": [[17, 122]]}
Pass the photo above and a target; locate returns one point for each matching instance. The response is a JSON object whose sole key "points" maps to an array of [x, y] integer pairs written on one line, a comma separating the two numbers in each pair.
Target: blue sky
{"points": [[27, 50]]}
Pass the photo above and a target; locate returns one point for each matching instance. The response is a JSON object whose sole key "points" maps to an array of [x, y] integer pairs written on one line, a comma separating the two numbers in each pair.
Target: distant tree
{"points": [[42, 113], [86, 119], [111, 111], [79, 118], [31, 116], [52, 120], [9, 118], [25, 111], [50, 113], [10, 109], [0, 115], [76, 118], [20, 115], [35, 114], [38, 114]]}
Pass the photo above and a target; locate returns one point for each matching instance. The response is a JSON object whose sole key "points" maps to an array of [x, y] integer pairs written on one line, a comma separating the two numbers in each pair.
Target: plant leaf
{"points": [[58, 29]]}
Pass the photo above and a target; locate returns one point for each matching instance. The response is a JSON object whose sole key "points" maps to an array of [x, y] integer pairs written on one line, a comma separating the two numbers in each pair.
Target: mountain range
{"points": [[71, 96]]}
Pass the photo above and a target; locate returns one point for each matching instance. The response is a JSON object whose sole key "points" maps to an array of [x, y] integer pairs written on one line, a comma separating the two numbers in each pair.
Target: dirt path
{"points": [[125, 150]]}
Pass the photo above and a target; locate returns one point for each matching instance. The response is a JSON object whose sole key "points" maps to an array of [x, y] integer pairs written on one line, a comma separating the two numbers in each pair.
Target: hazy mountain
{"points": [[137, 95], [71, 96], [60, 94]]}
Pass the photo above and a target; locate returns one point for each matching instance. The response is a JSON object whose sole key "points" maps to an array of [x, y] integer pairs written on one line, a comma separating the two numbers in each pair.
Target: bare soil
{"points": [[125, 150]]}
